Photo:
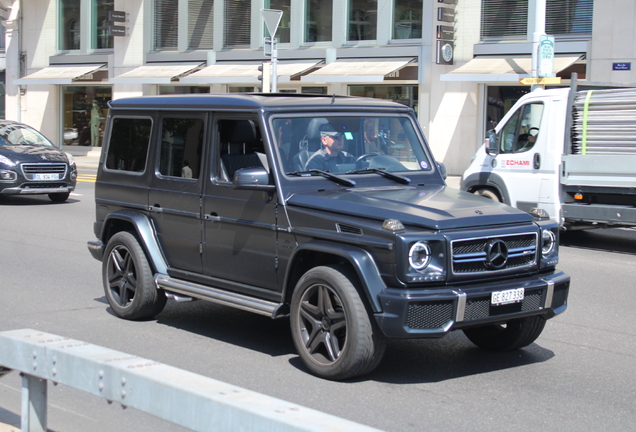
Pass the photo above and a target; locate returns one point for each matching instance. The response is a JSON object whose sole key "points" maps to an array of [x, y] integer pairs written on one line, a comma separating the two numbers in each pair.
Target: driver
{"points": [[331, 153]]}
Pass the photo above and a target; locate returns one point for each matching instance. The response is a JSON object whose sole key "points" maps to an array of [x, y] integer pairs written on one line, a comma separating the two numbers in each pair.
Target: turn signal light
{"points": [[578, 196]]}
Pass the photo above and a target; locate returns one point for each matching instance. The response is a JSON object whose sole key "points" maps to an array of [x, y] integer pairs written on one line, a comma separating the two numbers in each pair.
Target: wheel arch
{"points": [[141, 226], [487, 180], [359, 261]]}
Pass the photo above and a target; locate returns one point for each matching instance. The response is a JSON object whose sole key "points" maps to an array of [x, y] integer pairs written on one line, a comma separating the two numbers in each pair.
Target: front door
{"points": [[175, 190], [240, 225]]}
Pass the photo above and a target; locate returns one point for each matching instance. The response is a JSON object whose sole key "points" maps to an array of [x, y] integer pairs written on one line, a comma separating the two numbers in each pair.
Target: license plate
{"points": [[47, 177], [505, 297]]}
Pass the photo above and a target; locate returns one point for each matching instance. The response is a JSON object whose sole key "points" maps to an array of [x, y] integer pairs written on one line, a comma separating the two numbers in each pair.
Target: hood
{"points": [[432, 207], [32, 153]]}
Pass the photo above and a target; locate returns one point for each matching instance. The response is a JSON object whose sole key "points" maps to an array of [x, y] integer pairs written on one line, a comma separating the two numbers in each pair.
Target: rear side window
{"points": [[128, 146], [181, 141]]}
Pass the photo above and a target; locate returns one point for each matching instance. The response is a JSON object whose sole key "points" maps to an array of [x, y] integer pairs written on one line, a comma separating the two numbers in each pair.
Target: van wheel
{"points": [[488, 193], [334, 334], [509, 336], [59, 196], [128, 280]]}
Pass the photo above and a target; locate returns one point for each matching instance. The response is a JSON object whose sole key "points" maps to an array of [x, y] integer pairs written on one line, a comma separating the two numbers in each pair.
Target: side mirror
{"points": [[492, 143], [252, 179], [442, 169]]}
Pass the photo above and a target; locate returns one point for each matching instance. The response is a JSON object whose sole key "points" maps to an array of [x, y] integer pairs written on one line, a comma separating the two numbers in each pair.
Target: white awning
{"points": [[502, 69], [60, 74], [156, 73], [231, 73], [356, 70]]}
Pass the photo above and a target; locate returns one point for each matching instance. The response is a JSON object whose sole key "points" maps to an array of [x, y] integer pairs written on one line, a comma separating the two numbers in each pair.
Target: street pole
{"points": [[272, 20], [539, 30]]}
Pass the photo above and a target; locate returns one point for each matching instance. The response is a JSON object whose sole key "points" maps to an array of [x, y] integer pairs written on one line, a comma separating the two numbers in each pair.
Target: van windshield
{"points": [[348, 144]]}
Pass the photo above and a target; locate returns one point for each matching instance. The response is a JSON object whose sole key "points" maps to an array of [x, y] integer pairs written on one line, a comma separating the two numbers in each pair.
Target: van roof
{"points": [[255, 101]]}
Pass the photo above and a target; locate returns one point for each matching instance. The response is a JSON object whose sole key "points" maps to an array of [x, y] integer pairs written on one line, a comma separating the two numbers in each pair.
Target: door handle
{"points": [[155, 208], [213, 217], [536, 161]]}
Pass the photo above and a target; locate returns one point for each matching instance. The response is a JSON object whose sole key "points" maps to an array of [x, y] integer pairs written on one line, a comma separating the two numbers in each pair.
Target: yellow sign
{"points": [[541, 81]]}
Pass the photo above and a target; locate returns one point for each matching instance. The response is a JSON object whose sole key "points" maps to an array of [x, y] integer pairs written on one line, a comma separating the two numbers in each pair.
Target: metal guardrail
{"points": [[184, 398]]}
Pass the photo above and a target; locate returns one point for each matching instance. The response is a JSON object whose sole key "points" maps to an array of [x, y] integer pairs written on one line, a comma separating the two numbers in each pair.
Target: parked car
{"points": [[329, 210], [30, 164]]}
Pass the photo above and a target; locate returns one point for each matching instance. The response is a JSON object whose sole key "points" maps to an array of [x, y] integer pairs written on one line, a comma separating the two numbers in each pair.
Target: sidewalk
{"points": [[88, 158]]}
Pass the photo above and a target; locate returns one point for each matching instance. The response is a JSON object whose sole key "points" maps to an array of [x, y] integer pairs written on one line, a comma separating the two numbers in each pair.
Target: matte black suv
{"points": [[329, 210], [30, 164]]}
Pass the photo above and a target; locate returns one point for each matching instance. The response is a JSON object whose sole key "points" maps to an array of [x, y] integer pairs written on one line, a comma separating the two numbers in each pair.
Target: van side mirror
{"points": [[442, 169], [252, 179], [492, 143]]}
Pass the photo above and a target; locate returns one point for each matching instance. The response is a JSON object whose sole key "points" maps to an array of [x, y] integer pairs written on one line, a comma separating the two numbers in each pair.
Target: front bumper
{"points": [[433, 313], [26, 190]]}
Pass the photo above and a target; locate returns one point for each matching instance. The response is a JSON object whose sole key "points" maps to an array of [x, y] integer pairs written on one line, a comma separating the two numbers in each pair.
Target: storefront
{"points": [[84, 109]]}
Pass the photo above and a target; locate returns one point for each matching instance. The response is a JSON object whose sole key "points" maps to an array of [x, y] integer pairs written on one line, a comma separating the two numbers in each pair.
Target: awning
{"points": [[355, 70], [156, 73], [503, 68], [246, 72], [60, 74]]}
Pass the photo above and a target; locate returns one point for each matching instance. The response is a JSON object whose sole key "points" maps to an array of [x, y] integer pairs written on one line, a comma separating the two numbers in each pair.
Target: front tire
{"points": [[512, 335], [59, 197], [487, 193], [334, 334], [128, 280]]}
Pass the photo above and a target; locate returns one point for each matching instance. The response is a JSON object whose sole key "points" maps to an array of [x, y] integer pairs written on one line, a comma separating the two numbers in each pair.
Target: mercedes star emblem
{"points": [[496, 254]]}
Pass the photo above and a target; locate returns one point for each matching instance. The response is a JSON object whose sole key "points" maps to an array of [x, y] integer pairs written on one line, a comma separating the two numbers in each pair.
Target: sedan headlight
{"points": [[71, 159], [419, 256], [6, 161]]}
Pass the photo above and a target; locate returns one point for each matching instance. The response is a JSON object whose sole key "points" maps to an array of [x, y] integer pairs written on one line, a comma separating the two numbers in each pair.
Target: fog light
{"points": [[8, 175]]}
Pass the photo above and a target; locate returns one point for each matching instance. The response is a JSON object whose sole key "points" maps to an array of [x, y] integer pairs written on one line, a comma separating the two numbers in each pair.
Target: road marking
{"points": [[90, 178]]}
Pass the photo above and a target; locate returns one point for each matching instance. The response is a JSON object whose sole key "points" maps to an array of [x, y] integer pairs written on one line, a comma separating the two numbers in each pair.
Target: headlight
{"points": [[419, 256], [5, 160], [71, 159], [548, 242]]}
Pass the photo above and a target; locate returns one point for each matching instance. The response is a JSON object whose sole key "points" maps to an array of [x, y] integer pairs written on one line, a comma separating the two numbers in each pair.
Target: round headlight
{"points": [[419, 256], [548, 242]]}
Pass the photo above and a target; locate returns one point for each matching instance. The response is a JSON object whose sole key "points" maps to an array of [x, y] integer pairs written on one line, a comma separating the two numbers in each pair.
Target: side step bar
{"points": [[203, 292]]}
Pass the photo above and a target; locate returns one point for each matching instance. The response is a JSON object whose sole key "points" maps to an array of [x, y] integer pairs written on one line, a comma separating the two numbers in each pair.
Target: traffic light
{"points": [[265, 76]]}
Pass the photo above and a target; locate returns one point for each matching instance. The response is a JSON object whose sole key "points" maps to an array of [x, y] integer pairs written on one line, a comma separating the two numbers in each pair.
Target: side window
{"points": [[128, 146], [520, 132], [240, 146], [181, 143]]}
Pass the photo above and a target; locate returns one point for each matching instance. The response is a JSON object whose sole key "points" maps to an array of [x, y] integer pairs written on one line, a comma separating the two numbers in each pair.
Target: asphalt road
{"points": [[579, 375]]}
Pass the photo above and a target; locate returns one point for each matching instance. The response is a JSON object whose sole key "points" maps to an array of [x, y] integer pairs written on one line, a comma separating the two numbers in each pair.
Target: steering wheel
{"points": [[536, 131], [366, 155]]}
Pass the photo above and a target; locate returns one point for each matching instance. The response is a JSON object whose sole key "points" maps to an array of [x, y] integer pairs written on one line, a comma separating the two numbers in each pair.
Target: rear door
{"points": [[175, 189]]}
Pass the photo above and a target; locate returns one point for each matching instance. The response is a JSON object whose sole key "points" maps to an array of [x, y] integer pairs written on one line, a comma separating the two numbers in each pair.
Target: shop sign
{"points": [[116, 16], [406, 73], [447, 1], [445, 14], [445, 52], [445, 32], [115, 30]]}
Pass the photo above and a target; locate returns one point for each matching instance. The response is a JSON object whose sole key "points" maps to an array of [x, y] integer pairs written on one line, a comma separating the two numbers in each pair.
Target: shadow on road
{"points": [[621, 240]]}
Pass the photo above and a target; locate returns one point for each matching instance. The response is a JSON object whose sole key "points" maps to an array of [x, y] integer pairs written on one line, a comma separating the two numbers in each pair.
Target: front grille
{"points": [[471, 256], [429, 315], [480, 307], [31, 171]]}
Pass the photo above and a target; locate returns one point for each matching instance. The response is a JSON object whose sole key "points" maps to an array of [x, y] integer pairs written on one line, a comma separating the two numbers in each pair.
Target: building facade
{"points": [[456, 62]]}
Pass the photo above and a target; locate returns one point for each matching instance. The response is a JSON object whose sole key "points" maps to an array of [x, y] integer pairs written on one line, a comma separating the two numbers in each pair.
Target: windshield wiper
{"points": [[338, 179], [397, 177]]}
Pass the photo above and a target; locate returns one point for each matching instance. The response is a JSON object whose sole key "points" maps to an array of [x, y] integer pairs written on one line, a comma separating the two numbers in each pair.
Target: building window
{"points": [[165, 22], [85, 112], [200, 24], [509, 18], [319, 16], [404, 94], [363, 18], [407, 19], [101, 39], [282, 34], [166, 90], [69, 35], [237, 23]]}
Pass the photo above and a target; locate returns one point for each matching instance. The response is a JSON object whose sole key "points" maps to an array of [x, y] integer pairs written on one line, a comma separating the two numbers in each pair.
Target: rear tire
{"points": [[59, 196], [514, 334], [334, 334], [128, 280], [488, 193]]}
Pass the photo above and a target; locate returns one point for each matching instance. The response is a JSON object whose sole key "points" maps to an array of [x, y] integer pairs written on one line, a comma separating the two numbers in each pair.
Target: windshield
{"points": [[348, 144], [19, 134]]}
